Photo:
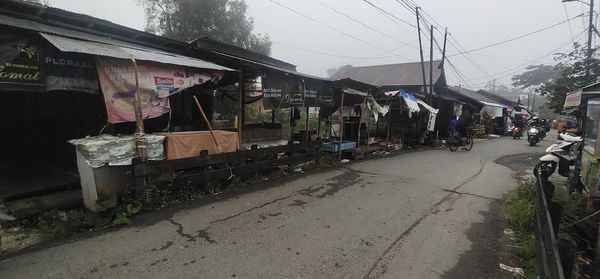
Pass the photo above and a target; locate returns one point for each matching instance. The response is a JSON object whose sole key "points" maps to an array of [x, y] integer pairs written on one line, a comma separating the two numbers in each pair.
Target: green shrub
{"points": [[54, 223], [520, 209]]}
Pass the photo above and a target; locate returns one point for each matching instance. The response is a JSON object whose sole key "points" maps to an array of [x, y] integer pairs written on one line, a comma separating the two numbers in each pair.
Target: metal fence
{"points": [[546, 227]]}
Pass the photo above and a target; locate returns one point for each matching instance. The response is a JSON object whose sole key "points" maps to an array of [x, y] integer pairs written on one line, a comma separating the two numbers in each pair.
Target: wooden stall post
{"points": [[292, 123], [319, 124], [389, 121], [369, 129], [364, 105], [212, 133], [240, 119], [341, 141], [306, 124], [140, 142]]}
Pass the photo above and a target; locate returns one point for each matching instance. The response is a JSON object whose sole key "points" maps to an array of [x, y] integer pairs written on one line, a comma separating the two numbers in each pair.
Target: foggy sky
{"points": [[473, 23]]}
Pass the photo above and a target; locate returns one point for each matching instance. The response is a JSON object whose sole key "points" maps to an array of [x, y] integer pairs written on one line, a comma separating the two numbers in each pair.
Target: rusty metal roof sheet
{"points": [[405, 74], [139, 53]]}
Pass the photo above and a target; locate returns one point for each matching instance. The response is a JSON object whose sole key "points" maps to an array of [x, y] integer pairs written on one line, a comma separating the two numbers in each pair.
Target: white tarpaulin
{"points": [[411, 102], [375, 108], [493, 109], [432, 115]]}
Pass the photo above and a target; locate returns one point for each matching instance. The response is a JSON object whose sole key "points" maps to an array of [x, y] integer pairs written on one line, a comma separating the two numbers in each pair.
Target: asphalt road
{"points": [[428, 214]]}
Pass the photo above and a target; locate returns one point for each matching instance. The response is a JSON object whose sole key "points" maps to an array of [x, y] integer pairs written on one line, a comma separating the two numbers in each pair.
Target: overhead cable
{"points": [[519, 37], [361, 23], [338, 55], [328, 26], [389, 14]]}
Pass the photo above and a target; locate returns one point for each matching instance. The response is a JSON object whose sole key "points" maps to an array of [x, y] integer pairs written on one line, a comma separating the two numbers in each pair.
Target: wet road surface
{"points": [[428, 214]]}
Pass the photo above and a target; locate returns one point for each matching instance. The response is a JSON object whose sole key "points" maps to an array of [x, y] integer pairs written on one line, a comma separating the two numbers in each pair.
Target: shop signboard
{"points": [[70, 72], [280, 91], [318, 94], [21, 66]]}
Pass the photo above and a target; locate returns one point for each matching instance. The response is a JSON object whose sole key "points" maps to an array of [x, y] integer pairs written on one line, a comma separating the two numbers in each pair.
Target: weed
{"points": [[326, 160], [520, 209], [520, 214], [54, 224]]}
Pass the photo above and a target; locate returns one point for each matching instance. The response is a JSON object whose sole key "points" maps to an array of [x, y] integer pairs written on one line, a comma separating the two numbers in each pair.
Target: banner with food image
{"points": [[157, 82], [117, 80]]}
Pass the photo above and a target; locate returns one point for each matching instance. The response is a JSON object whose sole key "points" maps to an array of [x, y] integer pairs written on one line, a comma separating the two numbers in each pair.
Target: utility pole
{"points": [[444, 49], [528, 98], [430, 98], [589, 41], [421, 50], [443, 60]]}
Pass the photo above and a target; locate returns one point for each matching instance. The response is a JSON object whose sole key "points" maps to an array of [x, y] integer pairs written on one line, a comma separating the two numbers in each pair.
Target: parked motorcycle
{"points": [[562, 154]]}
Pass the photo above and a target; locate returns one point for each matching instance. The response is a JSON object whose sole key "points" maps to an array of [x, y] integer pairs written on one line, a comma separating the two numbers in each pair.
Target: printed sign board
{"points": [[281, 91], [70, 71], [21, 66]]}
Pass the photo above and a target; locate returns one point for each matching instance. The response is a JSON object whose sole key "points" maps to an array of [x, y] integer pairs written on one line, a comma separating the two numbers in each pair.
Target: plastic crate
{"points": [[332, 147]]}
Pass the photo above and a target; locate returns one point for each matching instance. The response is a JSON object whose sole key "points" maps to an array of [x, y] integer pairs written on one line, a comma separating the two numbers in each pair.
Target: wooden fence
{"points": [[206, 168]]}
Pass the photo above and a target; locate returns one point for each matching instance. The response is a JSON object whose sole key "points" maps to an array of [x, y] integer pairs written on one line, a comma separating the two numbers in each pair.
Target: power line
{"points": [[457, 72], [389, 14], [467, 55], [513, 70], [519, 37], [338, 55], [459, 48], [328, 26], [363, 24], [405, 4], [567, 16]]}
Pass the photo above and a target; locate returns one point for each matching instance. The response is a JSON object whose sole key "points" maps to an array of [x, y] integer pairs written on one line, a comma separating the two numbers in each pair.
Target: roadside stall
{"points": [[587, 100], [491, 118]]}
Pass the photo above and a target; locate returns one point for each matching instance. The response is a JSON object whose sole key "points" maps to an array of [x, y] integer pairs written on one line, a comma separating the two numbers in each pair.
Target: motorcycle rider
{"points": [[464, 122]]}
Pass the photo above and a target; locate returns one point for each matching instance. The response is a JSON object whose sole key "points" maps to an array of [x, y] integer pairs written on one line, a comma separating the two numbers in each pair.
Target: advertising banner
{"points": [[21, 66], [281, 91], [157, 82], [70, 72], [318, 94], [117, 79]]}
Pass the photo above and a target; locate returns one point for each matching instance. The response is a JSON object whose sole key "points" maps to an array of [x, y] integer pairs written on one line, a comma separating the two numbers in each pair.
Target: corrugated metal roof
{"points": [[49, 29], [481, 98], [145, 54], [301, 75], [405, 74]]}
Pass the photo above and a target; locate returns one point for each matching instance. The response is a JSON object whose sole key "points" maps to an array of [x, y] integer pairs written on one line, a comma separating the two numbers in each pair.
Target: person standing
{"points": [[560, 125]]}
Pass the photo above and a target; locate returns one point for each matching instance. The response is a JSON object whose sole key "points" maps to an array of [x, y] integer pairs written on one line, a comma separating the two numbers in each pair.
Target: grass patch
{"points": [[520, 216], [520, 208]]}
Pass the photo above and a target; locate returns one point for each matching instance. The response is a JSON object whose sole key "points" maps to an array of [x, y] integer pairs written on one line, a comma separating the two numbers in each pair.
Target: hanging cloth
{"points": [[295, 116], [410, 101]]}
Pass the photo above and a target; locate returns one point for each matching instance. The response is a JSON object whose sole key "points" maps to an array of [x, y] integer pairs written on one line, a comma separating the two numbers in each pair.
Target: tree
{"points": [[333, 71], [510, 93], [221, 20], [571, 74], [534, 76]]}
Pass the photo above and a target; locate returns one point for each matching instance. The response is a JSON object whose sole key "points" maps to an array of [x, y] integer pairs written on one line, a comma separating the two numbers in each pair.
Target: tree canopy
{"points": [[571, 73], [534, 75], [554, 82], [221, 20]]}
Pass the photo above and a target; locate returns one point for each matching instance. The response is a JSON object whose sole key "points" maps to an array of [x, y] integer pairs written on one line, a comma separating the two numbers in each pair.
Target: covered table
{"points": [[190, 144]]}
